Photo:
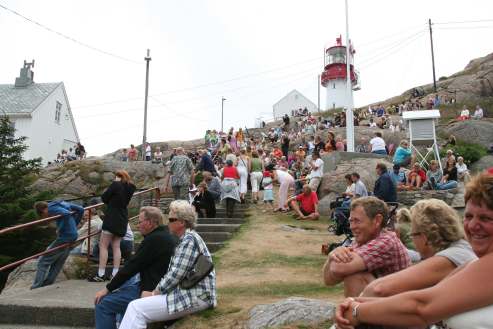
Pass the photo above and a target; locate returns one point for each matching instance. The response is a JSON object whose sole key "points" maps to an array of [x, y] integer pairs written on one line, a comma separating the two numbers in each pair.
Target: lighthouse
{"points": [[333, 77]]}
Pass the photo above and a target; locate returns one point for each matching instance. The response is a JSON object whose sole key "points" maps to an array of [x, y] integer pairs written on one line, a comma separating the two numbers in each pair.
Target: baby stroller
{"points": [[340, 224]]}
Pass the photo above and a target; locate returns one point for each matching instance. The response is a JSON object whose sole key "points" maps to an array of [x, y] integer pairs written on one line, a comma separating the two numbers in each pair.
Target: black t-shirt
{"points": [[452, 173]]}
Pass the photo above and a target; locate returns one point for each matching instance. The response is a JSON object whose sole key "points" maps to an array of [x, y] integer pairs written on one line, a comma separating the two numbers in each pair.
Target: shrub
{"points": [[469, 151]]}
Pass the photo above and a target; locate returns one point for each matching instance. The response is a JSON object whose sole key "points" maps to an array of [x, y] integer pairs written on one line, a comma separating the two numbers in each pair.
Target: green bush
{"points": [[469, 151]]}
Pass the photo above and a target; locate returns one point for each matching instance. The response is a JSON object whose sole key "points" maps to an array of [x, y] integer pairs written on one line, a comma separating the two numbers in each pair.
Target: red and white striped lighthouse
{"points": [[334, 75]]}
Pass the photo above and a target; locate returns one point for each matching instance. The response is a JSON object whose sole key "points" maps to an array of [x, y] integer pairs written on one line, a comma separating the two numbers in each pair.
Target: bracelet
{"points": [[355, 311]]}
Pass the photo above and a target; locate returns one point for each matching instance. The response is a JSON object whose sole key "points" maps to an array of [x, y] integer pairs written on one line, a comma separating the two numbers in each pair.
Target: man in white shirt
{"points": [[478, 114], [377, 144], [148, 152], [317, 172]]}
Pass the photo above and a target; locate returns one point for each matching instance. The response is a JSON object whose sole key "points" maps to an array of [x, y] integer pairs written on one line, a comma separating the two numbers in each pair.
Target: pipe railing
{"points": [[91, 209]]}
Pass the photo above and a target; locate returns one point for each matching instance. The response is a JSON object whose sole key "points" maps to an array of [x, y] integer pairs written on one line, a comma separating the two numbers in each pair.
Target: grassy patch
{"points": [[218, 311], [278, 260], [279, 289]]}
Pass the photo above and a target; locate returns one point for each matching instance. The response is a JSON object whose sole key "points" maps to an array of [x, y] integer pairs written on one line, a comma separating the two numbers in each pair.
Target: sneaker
{"points": [[97, 278]]}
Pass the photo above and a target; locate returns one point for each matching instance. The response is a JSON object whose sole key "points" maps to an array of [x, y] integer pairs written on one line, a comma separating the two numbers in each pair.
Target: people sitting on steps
{"points": [[50, 265], [305, 204], [169, 300], [204, 203], [141, 272], [375, 252]]}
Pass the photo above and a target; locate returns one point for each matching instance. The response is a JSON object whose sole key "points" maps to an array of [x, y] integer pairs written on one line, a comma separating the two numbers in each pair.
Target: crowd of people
{"points": [[391, 277], [74, 153]]}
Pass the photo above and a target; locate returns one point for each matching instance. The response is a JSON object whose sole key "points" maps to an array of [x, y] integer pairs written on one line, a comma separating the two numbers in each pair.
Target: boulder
{"points": [[84, 177], [363, 163], [471, 131], [292, 310], [409, 198], [482, 164]]}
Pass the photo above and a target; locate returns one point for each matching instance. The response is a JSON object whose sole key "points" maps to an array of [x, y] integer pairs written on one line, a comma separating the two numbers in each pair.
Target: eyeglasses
{"points": [[172, 219]]}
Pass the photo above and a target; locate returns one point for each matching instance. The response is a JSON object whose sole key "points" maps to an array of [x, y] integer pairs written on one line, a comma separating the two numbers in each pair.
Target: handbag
{"points": [[201, 268]]}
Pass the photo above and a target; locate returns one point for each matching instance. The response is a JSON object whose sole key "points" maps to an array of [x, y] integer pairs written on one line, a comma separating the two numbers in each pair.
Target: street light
{"points": [[222, 113]]}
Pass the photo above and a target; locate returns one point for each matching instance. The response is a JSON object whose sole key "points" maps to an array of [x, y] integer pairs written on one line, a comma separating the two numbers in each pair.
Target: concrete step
{"points": [[217, 228], [215, 236], [221, 220], [66, 303]]}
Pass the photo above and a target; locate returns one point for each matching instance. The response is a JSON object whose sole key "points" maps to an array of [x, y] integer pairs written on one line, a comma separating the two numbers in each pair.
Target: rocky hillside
{"points": [[472, 85]]}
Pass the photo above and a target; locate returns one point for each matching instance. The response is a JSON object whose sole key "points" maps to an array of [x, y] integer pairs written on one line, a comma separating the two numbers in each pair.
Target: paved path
{"points": [[49, 306]]}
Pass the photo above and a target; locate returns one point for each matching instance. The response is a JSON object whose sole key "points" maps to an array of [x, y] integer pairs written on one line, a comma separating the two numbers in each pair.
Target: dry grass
{"points": [[264, 263]]}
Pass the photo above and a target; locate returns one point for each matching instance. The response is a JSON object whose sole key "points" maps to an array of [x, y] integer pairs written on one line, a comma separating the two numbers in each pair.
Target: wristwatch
{"points": [[355, 311]]}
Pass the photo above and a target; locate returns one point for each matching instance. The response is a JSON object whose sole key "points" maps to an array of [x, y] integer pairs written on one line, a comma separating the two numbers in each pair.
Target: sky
{"points": [[252, 53]]}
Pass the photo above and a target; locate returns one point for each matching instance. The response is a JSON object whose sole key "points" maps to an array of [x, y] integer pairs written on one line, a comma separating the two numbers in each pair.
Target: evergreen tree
{"points": [[16, 174]]}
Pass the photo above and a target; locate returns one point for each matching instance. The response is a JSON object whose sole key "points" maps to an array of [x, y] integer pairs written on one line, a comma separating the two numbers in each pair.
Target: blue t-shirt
{"points": [[401, 154]]}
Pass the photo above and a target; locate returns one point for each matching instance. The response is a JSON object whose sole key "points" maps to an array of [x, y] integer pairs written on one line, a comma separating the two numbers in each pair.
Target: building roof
{"points": [[24, 100], [421, 115], [294, 91]]}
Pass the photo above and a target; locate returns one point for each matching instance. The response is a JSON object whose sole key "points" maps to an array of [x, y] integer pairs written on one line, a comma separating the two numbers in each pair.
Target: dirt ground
{"points": [[272, 257]]}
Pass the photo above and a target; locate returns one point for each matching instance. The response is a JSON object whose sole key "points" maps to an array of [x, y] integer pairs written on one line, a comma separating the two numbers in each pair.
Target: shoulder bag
{"points": [[201, 268]]}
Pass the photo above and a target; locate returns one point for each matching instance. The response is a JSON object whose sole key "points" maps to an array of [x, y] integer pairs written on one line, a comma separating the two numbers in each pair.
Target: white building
{"points": [[292, 102], [41, 112]]}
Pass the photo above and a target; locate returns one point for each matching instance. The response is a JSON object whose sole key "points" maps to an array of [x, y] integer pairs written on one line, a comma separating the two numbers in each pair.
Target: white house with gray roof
{"points": [[41, 112], [293, 101]]}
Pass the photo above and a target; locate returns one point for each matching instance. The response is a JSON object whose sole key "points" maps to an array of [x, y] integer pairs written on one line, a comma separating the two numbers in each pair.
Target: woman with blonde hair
{"points": [[463, 299], [116, 197]]}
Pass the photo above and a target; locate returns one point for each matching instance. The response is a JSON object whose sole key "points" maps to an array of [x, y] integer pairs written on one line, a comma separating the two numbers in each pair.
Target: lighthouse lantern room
{"points": [[333, 77]]}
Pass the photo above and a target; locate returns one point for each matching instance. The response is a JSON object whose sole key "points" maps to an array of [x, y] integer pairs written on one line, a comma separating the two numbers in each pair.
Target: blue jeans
{"points": [[115, 304], [50, 265], [447, 186]]}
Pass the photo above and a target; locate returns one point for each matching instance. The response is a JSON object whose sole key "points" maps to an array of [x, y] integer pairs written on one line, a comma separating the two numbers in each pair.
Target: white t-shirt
{"points": [[319, 163], [377, 144], [459, 253], [461, 168]]}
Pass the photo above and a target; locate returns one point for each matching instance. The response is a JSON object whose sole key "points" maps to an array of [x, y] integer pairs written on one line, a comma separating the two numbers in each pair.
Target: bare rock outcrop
{"points": [[85, 177], [290, 311], [471, 131]]}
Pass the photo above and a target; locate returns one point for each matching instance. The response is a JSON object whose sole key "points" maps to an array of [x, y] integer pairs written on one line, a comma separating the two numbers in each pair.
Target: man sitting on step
{"points": [[374, 253], [141, 272]]}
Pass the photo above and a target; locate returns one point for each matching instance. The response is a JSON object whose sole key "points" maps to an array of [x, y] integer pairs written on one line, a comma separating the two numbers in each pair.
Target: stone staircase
{"points": [[214, 231]]}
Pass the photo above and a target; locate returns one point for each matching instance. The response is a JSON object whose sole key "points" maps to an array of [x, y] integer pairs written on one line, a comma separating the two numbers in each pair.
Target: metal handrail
{"points": [[68, 244]]}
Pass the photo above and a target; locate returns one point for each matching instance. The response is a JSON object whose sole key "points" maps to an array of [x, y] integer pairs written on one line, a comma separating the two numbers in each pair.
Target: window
{"points": [[58, 112]]}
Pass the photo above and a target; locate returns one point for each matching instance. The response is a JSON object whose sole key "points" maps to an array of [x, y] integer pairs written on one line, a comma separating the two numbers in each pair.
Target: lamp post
{"points": [[144, 139], [222, 113]]}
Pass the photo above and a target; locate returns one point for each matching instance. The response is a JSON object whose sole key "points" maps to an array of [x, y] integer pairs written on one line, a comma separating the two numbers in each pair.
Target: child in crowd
{"points": [[268, 189]]}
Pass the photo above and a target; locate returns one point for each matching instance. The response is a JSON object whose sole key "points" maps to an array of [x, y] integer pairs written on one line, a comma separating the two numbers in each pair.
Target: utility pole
{"points": [[222, 113], [432, 57], [318, 87], [349, 91], [144, 139]]}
